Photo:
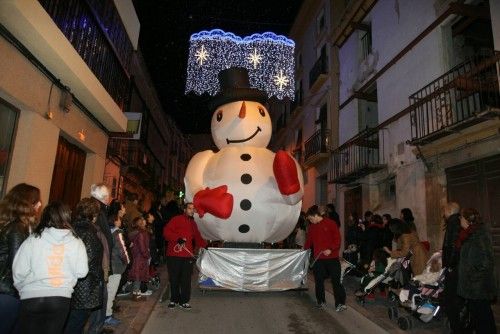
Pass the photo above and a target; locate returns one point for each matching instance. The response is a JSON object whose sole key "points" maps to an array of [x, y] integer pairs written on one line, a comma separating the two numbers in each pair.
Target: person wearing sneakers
{"points": [[324, 238], [139, 245], [183, 237], [119, 260]]}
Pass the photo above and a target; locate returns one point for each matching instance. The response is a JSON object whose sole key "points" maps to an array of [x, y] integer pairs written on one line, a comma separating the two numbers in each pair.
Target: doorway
{"points": [[68, 172], [477, 185], [353, 204]]}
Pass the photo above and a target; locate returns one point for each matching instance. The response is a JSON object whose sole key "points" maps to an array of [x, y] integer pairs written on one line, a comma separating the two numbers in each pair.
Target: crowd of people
{"points": [[60, 271], [467, 258]]}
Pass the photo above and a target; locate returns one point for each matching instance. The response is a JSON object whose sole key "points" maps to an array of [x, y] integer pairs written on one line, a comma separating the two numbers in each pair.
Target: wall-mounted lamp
{"points": [[81, 135]]}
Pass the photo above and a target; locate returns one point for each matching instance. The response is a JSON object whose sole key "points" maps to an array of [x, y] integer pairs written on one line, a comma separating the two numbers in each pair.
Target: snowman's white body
{"points": [[247, 170]]}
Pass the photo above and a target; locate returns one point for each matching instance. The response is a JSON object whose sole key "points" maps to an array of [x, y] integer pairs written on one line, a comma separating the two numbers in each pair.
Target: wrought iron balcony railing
{"points": [[98, 36], [464, 96], [319, 68], [316, 145], [360, 156]]}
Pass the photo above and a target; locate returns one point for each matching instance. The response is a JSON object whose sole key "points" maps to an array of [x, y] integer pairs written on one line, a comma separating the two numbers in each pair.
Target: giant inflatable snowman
{"points": [[244, 192]]}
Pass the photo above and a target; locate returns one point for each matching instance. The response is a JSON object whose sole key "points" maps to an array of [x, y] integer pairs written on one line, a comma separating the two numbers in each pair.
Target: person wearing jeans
{"points": [[46, 269], [119, 261], [324, 238]]}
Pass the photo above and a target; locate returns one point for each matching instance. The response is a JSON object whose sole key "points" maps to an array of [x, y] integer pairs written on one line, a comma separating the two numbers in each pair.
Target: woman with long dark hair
{"points": [[476, 279], [407, 241], [45, 271], [406, 215], [18, 213]]}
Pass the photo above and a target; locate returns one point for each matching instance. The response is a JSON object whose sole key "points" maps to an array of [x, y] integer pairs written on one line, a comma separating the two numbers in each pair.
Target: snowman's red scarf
{"points": [[465, 234]]}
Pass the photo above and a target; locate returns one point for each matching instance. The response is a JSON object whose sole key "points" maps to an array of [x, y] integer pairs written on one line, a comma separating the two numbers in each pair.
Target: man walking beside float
{"points": [[183, 238]]}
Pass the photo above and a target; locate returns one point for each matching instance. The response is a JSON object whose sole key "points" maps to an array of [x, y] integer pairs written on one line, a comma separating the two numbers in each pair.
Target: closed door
{"points": [[67, 177], [477, 185], [353, 204]]}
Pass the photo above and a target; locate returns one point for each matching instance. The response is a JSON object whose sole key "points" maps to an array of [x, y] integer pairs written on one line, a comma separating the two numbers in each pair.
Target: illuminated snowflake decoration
{"points": [[201, 55], [254, 58], [280, 80], [269, 59]]}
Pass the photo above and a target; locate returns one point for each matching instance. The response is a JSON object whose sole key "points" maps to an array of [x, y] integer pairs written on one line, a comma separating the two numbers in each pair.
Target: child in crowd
{"points": [[376, 268], [139, 246], [119, 262]]}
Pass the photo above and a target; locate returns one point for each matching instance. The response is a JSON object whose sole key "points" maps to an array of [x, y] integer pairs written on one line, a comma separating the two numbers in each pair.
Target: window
{"points": [[8, 120], [366, 42]]}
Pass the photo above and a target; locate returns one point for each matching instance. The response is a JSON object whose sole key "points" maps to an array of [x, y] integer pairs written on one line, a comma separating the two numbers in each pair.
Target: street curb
{"points": [[139, 321], [349, 321]]}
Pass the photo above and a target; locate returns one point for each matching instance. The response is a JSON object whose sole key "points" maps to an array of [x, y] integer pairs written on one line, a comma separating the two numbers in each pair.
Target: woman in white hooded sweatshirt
{"points": [[46, 269]]}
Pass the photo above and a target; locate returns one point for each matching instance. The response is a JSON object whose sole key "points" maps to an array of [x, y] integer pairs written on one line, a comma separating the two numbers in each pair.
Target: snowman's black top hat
{"points": [[235, 86]]}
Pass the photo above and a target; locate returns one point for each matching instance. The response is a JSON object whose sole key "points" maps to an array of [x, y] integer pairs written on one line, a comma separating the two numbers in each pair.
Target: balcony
{"points": [[466, 95], [360, 156], [103, 46], [316, 148], [318, 74], [133, 157], [67, 38]]}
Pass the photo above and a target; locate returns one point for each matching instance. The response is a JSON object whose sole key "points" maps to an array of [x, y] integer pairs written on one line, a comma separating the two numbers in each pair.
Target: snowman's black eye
{"points": [[219, 115], [262, 112]]}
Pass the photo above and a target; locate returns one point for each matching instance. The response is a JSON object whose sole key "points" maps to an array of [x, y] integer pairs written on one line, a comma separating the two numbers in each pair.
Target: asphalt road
{"points": [[238, 312]]}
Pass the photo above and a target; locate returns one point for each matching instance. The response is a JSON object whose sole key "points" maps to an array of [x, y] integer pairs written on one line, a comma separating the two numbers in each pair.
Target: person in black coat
{"points": [[387, 235], [364, 247], [18, 211], [89, 291], [452, 303], [332, 213], [476, 271], [100, 193]]}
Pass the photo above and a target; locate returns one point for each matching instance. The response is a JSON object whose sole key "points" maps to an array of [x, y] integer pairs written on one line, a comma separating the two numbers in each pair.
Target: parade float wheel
{"points": [[405, 323], [393, 312]]}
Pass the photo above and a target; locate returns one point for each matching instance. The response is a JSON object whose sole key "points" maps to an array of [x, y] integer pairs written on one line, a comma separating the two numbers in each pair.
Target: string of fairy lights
{"points": [[269, 59]]}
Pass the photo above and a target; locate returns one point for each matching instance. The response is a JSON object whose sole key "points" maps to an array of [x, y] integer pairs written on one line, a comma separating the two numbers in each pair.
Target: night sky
{"points": [[166, 26]]}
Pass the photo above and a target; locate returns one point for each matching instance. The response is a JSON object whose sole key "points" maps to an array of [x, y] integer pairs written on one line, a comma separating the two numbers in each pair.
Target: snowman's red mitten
{"points": [[216, 201], [285, 172]]}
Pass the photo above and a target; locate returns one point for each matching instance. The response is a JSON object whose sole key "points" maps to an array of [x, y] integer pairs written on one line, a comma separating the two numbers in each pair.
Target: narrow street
{"points": [[237, 312]]}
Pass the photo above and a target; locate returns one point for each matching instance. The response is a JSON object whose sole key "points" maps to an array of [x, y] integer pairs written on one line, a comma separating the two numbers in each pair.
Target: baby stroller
{"points": [[345, 268], [396, 274], [420, 297]]}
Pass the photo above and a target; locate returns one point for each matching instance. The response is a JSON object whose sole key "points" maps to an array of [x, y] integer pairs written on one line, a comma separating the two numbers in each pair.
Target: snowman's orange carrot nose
{"points": [[243, 110]]}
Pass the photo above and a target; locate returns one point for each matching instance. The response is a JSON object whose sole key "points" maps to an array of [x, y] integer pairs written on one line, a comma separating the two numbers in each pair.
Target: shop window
{"points": [[8, 120]]}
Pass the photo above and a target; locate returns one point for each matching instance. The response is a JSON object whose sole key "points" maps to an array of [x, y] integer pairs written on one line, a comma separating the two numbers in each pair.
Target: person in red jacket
{"points": [[324, 239], [182, 237]]}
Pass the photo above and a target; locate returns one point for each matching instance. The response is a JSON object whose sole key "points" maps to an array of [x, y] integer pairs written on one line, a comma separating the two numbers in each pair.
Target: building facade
{"points": [[304, 126], [69, 82], [411, 93]]}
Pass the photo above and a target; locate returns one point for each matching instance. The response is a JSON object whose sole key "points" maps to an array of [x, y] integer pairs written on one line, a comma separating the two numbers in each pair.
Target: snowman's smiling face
{"points": [[241, 123]]}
